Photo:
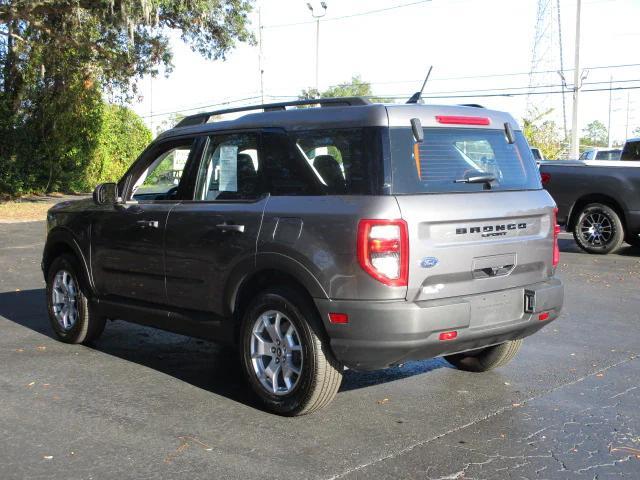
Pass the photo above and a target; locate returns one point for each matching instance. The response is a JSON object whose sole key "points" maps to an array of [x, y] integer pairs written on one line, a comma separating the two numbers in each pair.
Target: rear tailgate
{"points": [[471, 243]]}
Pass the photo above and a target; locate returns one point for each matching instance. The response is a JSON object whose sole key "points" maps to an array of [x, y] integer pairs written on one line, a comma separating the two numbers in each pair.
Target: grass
{"points": [[23, 211]]}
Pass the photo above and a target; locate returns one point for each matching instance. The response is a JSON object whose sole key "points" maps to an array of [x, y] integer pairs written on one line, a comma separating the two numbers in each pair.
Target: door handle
{"points": [[148, 223], [230, 227]]}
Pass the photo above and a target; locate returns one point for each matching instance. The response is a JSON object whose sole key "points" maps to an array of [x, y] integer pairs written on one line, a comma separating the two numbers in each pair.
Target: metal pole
{"points": [[318, 17], [564, 103], [153, 133], [575, 145], [317, 51], [626, 128], [260, 59], [609, 125]]}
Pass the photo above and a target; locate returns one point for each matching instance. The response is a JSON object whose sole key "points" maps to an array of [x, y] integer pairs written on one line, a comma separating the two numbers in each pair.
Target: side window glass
{"points": [[343, 160], [160, 180], [230, 169], [287, 172]]}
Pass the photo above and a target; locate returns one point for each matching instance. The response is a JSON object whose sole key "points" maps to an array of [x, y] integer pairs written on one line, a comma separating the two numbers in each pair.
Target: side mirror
{"points": [[416, 127], [106, 194]]}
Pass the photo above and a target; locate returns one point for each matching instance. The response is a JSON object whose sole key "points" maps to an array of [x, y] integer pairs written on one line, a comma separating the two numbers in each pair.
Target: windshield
{"points": [[448, 156]]}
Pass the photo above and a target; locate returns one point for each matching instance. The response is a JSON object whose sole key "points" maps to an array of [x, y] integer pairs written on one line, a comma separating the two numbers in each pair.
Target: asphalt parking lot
{"points": [[146, 404]]}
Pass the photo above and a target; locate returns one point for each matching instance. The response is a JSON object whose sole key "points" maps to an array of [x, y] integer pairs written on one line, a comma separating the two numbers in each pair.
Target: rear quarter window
{"points": [[448, 155]]}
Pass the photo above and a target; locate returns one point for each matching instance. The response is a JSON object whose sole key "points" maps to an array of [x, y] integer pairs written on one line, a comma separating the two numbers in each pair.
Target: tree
{"points": [[355, 88], [595, 134], [58, 59], [543, 134], [636, 132]]}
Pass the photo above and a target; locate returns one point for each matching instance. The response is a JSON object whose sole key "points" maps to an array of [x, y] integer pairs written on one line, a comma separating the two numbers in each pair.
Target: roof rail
{"points": [[201, 118], [475, 105]]}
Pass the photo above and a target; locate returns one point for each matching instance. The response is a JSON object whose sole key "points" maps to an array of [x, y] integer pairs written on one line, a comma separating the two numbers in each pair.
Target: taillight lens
{"points": [[383, 250], [545, 177], [556, 233]]}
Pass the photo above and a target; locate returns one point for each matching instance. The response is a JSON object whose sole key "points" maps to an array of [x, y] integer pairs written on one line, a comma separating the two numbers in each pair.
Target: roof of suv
{"points": [[335, 114]]}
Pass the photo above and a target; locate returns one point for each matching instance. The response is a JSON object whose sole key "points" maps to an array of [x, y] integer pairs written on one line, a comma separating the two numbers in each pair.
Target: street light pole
{"points": [[318, 17]]}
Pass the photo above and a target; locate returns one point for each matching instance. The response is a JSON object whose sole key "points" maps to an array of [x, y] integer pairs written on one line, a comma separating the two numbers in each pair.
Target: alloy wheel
{"points": [[64, 300], [276, 352], [597, 229]]}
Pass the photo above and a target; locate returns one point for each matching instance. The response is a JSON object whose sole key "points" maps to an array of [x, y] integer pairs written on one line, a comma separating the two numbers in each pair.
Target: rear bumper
{"points": [[381, 334]]}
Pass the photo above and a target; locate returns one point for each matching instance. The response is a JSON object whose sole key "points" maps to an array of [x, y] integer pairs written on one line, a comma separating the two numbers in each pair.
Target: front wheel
{"points": [[485, 359], [68, 305], [598, 229], [284, 359]]}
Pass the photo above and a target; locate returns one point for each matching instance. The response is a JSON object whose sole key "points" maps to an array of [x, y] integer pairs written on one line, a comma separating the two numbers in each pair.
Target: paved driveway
{"points": [[148, 404]]}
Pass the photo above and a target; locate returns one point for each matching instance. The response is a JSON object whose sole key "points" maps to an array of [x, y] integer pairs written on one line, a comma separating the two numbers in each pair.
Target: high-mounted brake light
{"points": [[462, 120], [556, 233], [383, 250]]}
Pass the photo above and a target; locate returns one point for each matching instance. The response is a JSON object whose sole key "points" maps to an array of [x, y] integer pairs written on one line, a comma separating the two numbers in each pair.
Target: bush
{"points": [[123, 135]]}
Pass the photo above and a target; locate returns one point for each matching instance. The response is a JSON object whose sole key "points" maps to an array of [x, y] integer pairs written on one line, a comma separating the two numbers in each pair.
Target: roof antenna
{"points": [[417, 97]]}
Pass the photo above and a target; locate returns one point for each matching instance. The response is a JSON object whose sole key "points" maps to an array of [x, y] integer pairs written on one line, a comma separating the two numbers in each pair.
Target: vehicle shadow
{"points": [[198, 362], [568, 245]]}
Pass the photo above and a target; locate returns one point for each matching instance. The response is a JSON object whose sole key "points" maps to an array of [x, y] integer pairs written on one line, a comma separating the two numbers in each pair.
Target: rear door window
{"points": [[449, 155]]}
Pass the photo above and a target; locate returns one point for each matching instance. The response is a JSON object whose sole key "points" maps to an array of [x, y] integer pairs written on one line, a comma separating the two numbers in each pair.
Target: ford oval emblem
{"points": [[429, 262]]}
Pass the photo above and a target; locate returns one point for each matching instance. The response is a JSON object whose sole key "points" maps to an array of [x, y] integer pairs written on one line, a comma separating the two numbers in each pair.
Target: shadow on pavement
{"points": [[568, 245], [198, 362]]}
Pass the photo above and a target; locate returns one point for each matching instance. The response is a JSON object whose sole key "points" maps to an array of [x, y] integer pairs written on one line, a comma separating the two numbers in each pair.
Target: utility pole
{"points": [[626, 128], [153, 133], [318, 17], [609, 125], [575, 145], [260, 58], [564, 103]]}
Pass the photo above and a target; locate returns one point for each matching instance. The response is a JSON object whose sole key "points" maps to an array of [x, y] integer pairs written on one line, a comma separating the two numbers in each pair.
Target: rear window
{"points": [[449, 155], [631, 151], [608, 155]]}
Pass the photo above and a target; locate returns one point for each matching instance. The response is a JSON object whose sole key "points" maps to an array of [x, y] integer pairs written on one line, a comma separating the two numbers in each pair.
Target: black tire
{"points": [[609, 234], [320, 374], [87, 326], [485, 359]]}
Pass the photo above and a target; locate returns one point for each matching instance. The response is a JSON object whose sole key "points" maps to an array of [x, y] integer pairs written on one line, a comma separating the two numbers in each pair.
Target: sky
{"points": [[475, 46]]}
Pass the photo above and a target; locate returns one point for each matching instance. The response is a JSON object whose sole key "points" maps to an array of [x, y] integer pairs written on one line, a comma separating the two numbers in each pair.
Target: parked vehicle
{"points": [[353, 234], [601, 154], [631, 150], [599, 201]]}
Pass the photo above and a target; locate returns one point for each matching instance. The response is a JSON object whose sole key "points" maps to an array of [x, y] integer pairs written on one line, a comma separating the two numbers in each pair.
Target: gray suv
{"points": [[350, 235]]}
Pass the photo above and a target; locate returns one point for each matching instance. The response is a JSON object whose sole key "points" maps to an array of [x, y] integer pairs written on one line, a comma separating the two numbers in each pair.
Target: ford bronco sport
{"points": [[351, 235]]}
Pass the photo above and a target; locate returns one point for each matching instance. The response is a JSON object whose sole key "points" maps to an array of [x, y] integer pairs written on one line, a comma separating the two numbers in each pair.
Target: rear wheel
{"points": [[598, 229], [68, 305], [485, 359], [284, 359]]}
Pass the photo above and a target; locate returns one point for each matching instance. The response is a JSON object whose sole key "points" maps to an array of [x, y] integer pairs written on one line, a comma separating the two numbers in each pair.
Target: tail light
{"points": [[545, 177], [556, 233], [383, 250]]}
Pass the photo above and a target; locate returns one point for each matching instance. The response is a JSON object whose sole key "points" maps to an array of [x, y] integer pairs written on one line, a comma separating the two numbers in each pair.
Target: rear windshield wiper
{"points": [[488, 179]]}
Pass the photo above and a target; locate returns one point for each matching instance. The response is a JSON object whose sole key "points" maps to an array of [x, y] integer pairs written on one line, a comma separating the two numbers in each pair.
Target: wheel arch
{"points": [[272, 270], [594, 198], [60, 241]]}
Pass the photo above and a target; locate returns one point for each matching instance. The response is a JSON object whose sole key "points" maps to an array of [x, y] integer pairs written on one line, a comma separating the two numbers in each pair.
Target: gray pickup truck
{"points": [[599, 201]]}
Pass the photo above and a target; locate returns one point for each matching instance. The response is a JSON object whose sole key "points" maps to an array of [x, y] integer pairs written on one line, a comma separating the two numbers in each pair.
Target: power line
{"points": [[331, 19]]}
